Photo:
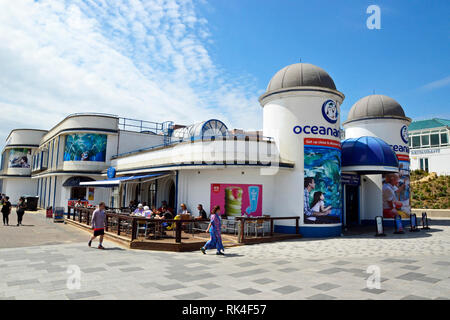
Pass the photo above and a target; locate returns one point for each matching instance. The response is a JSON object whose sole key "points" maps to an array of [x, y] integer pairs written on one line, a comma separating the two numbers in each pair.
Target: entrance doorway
{"points": [[351, 205], [171, 202], [78, 193]]}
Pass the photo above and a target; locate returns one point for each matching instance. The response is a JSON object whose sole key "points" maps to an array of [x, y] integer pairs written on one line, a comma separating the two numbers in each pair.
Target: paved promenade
{"points": [[412, 266]]}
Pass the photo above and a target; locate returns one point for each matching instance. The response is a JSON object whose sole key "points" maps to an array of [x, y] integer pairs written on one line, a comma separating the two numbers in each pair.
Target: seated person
{"points": [[147, 212], [183, 210], [164, 204], [79, 204], [201, 213], [139, 211], [154, 211], [165, 213], [132, 206]]}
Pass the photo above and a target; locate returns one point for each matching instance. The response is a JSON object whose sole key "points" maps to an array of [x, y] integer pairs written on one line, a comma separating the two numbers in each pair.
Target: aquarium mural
{"points": [[85, 147], [322, 165], [19, 158]]}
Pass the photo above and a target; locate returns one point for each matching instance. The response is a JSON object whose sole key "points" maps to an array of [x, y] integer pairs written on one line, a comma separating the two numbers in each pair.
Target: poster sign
{"points": [[322, 182], [350, 179], [396, 192], [85, 147], [237, 199], [19, 158], [91, 194]]}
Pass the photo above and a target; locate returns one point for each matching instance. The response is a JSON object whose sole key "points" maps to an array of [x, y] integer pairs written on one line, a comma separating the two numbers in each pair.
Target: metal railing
{"points": [[130, 227], [251, 226], [134, 227], [143, 126], [172, 141]]}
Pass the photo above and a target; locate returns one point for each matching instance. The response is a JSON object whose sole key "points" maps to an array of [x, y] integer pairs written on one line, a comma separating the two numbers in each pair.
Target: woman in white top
{"points": [[318, 204]]}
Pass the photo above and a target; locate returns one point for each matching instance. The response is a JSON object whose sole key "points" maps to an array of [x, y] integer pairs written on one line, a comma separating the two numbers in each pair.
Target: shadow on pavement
{"points": [[232, 255]]}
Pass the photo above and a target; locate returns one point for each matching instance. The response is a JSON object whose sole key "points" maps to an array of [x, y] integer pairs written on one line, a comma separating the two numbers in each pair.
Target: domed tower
{"points": [[382, 117], [302, 113]]}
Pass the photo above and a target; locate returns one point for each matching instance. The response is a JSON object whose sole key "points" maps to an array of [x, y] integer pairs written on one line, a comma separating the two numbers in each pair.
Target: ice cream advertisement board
{"points": [[237, 199]]}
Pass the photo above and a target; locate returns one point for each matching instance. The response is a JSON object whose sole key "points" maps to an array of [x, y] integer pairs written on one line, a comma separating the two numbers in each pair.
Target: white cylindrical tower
{"points": [[302, 113], [383, 117]]}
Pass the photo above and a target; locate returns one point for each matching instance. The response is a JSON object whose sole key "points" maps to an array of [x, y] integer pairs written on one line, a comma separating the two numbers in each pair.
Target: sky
{"points": [[189, 61]]}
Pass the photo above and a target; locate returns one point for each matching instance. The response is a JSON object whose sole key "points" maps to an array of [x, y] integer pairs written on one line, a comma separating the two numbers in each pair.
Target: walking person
{"points": [[6, 210], [98, 224], [214, 231], [21, 206]]}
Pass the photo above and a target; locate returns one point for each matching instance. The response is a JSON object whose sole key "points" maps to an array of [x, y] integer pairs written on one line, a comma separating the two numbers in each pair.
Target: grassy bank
{"points": [[429, 190]]}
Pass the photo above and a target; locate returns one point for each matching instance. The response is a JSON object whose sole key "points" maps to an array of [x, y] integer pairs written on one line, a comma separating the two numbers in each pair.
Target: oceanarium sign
{"points": [[317, 130]]}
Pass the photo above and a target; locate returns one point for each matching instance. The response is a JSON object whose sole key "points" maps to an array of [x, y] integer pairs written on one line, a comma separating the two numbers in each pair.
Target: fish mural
{"points": [[324, 165], [85, 147]]}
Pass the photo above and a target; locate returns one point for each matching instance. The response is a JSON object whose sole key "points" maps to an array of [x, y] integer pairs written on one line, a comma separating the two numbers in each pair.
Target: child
{"points": [[318, 204]]}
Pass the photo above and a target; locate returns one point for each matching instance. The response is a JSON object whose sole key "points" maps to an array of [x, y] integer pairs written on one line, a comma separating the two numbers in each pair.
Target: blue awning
{"points": [[368, 155], [114, 182]]}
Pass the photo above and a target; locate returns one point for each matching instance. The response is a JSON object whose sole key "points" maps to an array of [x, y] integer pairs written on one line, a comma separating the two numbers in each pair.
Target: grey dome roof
{"points": [[376, 106], [301, 75]]}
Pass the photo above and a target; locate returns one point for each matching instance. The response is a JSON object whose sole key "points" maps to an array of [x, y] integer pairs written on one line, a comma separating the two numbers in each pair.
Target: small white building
{"points": [[381, 117], [16, 165], [429, 145]]}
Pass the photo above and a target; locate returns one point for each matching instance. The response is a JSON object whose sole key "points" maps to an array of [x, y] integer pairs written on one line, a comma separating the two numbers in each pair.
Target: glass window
{"points": [[444, 138], [152, 194], [425, 140], [434, 139], [416, 141]]}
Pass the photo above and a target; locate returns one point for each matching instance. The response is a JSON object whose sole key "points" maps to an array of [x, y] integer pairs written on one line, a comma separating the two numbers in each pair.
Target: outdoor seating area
{"points": [[183, 233]]}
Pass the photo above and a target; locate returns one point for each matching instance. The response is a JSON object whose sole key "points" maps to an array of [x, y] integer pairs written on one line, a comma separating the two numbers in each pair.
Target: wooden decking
{"points": [[189, 241]]}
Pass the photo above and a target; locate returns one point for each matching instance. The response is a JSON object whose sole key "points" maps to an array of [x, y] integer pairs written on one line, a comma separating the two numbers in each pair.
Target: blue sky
{"points": [[407, 59], [193, 60]]}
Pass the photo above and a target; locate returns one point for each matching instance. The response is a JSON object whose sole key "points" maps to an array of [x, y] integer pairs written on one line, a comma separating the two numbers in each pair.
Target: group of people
{"points": [[214, 227], [164, 212], [7, 208], [142, 210]]}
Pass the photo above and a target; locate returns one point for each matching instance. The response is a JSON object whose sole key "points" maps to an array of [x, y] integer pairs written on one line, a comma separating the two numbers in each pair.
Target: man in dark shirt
{"points": [[6, 210], [201, 212]]}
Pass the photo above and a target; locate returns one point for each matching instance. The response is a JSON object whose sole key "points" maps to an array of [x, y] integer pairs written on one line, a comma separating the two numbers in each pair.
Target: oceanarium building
{"points": [[298, 165]]}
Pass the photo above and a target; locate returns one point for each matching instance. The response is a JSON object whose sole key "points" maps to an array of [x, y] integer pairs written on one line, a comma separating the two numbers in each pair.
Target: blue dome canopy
{"points": [[368, 155]]}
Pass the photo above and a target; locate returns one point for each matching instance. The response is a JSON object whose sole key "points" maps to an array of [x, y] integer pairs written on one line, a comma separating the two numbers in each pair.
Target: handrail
{"points": [[241, 235], [84, 214], [229, 137]]}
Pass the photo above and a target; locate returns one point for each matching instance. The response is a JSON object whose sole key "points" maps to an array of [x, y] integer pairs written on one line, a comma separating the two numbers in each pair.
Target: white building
{"points": [[79, 148], [376, 116], [15, 171], [297, 157], [429, 145]]}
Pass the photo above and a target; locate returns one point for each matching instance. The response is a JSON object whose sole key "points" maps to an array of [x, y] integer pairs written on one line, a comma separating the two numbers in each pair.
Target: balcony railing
{"points": [[173, 141]]}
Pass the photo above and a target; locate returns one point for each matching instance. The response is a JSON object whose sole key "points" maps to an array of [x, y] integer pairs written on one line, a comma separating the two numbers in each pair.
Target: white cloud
{"points": [[437, 84], [142, 59]]}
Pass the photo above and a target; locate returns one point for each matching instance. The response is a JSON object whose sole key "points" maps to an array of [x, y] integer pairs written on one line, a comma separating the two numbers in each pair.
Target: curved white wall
{"points": [[282, 112], [389, 130]]}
